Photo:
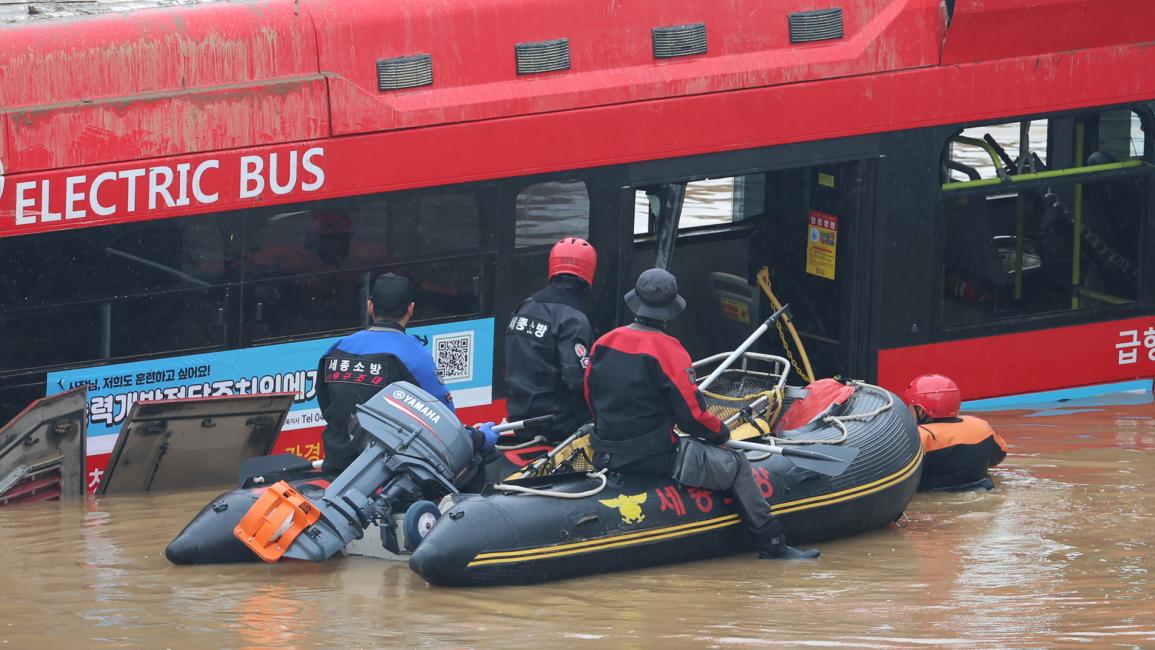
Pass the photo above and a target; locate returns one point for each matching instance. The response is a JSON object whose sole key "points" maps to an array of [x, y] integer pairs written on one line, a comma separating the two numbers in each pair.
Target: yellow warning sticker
{"points": [[735, 310], [821, 244], [825, 180]]}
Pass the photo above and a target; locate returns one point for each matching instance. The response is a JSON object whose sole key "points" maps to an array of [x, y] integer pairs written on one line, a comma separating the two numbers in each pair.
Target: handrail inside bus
{"points": [[1050, 173], [985, 146], [1105, 298], [158, 266]]}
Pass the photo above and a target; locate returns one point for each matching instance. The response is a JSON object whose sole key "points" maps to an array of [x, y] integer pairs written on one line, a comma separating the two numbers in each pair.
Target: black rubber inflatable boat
{"points": [[846, 459], [571, 524]]}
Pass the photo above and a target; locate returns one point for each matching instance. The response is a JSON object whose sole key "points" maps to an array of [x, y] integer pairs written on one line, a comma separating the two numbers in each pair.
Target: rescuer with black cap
{"points": [[640, 383], [361, 364], [547, 344]]}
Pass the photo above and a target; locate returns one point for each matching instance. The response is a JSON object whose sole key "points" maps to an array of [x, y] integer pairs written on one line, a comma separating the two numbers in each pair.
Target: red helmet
{"points": [[938, 396], [574, 256]]}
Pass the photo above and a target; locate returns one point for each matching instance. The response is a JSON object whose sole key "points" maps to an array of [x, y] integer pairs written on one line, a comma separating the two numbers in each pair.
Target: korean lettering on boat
{"points": [[702, 497], [762, 478], [670, 498]]}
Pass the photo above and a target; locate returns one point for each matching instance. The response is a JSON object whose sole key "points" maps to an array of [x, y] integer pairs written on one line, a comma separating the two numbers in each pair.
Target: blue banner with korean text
{"points": [[463, 352]]}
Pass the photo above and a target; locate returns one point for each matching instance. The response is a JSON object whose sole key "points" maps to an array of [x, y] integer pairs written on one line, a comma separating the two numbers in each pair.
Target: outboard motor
{"points": [[414, 446]]}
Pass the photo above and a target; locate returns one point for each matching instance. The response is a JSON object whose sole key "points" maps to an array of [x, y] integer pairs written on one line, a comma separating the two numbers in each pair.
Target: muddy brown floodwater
{"points": [[1059, 555]]}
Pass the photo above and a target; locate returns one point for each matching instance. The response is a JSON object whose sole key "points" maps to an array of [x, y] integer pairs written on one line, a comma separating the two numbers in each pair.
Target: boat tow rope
{"points": [[536, 440], [600, 475], [758, 408], [841, 420]]}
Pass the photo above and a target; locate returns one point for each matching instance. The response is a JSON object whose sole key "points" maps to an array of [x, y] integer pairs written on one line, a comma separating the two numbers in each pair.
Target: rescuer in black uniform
{"points": [[361, 364], [547, 344], [641, 383]]}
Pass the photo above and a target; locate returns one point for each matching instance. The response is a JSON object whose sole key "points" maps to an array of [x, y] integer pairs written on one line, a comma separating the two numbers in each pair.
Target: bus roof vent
{"points": [[679, 40], [404, 72], [817, 25], [543, 56]]}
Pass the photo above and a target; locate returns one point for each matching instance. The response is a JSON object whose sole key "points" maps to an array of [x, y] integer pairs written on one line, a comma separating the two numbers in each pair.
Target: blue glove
{"points": [[491, 436]]}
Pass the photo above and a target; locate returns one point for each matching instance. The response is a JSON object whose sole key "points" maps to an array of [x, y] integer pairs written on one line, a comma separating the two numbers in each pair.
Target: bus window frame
{"points": [[1138, 167]]}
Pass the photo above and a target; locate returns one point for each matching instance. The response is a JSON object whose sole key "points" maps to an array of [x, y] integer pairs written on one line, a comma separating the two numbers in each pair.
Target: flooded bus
{"points": [[194, 199]]}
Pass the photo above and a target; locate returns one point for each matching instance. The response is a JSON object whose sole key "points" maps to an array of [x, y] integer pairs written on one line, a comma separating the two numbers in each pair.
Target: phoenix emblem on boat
{"points": [[629, 506]]}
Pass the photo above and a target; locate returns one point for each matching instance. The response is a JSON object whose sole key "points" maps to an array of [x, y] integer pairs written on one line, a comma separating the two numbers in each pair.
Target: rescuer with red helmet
{"points": [[959, 449], [547, 344], [640, 383]]}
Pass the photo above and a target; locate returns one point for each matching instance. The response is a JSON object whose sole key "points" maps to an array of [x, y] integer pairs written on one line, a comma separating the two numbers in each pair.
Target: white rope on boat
{"points": [[522, 445], [600, 475], [841, 420]]}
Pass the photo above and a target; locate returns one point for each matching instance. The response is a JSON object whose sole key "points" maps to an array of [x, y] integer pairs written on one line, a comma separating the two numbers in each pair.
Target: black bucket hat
{"points": [[656, 295]]}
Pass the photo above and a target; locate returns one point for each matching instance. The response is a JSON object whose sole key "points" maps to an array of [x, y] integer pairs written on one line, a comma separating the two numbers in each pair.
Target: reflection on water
{"points": [[1059, 555]]}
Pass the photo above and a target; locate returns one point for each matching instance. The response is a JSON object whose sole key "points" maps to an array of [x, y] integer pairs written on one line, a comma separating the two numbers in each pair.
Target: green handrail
{"points": [[1077, 237], [987, 147], [1103, 297], [1050, 173]]}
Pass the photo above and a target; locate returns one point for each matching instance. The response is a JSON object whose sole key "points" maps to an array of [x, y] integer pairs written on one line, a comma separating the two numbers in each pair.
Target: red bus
{"points": [[193, 199]]}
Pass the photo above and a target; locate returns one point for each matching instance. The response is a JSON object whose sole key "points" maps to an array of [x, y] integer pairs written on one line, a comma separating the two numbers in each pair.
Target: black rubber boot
{"points": [[783, 551], [772, 544]]}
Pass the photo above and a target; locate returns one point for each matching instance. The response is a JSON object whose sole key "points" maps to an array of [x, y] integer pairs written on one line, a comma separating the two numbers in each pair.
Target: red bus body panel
{"points": [[1027, 362], [475, 75], [985, 30], [158, 83], [207, 85]]}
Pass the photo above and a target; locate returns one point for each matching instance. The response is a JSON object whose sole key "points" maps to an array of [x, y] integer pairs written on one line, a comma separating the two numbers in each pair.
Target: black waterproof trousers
{"points": [[699, 464]]}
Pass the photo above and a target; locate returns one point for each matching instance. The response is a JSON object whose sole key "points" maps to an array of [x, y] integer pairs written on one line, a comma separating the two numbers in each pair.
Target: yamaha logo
{"points": [[416, 405]]}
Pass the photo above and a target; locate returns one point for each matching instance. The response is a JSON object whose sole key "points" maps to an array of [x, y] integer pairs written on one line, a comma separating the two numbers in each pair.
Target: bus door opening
{"points": [[816, 248], [702, 232]]}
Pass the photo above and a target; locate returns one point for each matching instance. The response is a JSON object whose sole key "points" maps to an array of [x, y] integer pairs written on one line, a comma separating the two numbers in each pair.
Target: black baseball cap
{"points": [[391, 293]]}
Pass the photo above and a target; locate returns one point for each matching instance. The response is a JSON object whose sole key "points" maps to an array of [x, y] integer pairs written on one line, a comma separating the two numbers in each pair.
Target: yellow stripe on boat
{"points": [[849, 493], [607, 540], [681, 530]]}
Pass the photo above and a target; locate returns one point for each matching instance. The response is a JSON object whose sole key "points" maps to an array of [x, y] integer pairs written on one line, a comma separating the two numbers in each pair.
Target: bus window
{"points": [[51, 336], [448, 220], [172, 321], [309, 265], [987, 152], [710, 240], [708, 203], [76, 296], [1037, 239], [547, 212]]}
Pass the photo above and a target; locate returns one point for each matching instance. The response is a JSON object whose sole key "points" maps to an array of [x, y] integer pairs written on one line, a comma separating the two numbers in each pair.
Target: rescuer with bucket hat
{"points": [[640, 383], [547, 345]]}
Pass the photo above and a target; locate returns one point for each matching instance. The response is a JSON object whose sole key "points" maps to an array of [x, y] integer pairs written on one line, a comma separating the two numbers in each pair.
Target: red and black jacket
{"points": [[639, 384]]}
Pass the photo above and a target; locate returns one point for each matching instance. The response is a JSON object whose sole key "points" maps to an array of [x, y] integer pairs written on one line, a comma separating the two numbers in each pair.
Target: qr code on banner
{"points": [[453, 354]]}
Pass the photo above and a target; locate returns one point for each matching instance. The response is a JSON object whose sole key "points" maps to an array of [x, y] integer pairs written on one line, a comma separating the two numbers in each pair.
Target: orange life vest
{"points": [[959, 452], [965, 430]]}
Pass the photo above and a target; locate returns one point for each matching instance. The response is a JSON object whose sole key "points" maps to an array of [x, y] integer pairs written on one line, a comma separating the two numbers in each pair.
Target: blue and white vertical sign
{"points": [[463, 352]]}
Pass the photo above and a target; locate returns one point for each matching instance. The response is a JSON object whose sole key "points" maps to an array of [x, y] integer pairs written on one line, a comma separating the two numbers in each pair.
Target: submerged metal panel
{"points": [[47, 436], [188, 444]]}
